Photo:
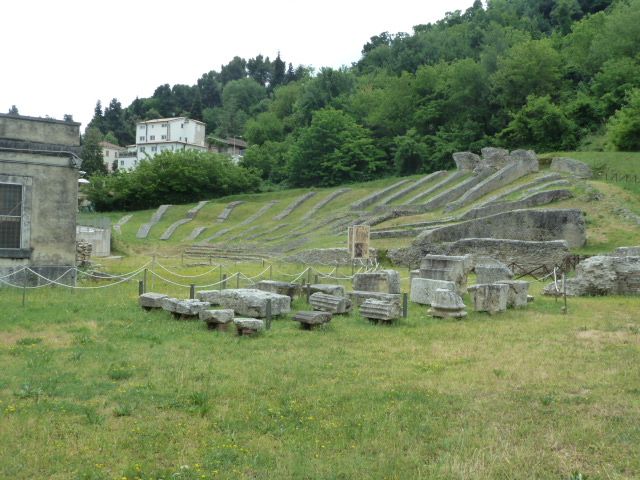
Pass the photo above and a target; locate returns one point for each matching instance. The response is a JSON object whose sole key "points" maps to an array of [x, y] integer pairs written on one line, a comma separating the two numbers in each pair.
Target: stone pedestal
{"points": [[248, 326], [217, 319], [422, 289], [311, 320], [151, 300], [518, 293], [380, 311], [491, 298], [384, 281], [447, 304], [330, 303]]}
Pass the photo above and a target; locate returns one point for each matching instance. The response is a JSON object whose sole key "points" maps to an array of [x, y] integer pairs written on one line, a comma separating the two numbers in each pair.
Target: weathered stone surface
{"points": [[447, 180], [248, 301], [274, 286], [375, 196], [223, 315], [491, 298], [466, 161], [495, 158], [248, 326], [358, 297], [518, 293], [329, 289], [143, 232], [385, 281], [602, 275], [627, 252], [151, 300], [330, 303], [537, 225], [423, 289], [527, 158], [293, 205], [449, 268], [569, 165], [493, 273], [185, 308], [227, 211], [450, 195], [414, 186], [310, 320], [447, 304], [533, 200], [380, 310]]}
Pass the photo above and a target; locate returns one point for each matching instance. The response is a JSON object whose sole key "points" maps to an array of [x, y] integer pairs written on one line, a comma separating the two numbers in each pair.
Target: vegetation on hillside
{"points": [[540, 74]]}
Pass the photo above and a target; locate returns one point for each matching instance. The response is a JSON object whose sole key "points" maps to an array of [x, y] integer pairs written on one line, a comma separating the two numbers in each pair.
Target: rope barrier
{"points": [[187, 276], [75, 287]]}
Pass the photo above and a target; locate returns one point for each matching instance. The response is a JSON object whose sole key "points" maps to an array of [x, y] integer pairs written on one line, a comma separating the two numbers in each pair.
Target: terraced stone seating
{"points": [[143, 231]]}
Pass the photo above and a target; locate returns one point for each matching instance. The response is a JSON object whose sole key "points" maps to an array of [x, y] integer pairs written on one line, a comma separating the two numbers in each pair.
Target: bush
{"points": [[623, 128], [171, 177]]}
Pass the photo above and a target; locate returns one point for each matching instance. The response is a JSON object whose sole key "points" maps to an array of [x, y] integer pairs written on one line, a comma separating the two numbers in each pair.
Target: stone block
{"points": [[447, 304], [448, 268], [494, 158], [248, 301], [310, 320], [358, 297], [518, 293], [571, 166], [422, 289], [384, 281], [329, 289], [490, 297], [493, 273], [217, 319], [248, 326], [466, 161], [330, 303], [627, 252], [380, 310], [281, 288], [184, 308], [151, 300], [527, 158]]}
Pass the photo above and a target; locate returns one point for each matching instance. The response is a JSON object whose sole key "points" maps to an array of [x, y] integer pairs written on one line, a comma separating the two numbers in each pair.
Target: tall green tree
{"points": [[91, 152], [623, 129]]}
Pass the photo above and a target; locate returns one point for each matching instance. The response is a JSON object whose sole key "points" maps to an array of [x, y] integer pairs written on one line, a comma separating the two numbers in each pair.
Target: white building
{"points": [[172, 134], [110, 154]]}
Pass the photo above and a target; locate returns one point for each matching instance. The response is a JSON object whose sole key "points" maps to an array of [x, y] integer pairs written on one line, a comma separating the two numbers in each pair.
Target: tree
{"points": [[91, 152], [68, 118], [278, 76], [411, 154], [260, 69], [334, 149], [13, 110], [97, 121], [265, 127], [623, 128], [234, 70]]}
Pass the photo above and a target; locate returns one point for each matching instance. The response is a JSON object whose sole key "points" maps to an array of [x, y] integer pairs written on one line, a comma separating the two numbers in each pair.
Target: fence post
{"points": [[223, 285], [24, 287], [192, 291], [268, 314], [564, 293], [270, 271], [140, 287], [405, 305], [308, 292], [237, 279], [144, 284], [315, 278]]}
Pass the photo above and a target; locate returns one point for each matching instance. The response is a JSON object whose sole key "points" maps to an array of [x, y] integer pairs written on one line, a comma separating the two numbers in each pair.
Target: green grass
{"points": [[92, 387]]}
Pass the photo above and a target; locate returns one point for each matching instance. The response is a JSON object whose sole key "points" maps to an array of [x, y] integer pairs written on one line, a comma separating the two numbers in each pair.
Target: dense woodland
{"points": [[541, 74]]}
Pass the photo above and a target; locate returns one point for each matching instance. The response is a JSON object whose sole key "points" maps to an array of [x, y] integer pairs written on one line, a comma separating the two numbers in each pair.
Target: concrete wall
{"points": [[41, 130], [99, 238], [530, 225]]}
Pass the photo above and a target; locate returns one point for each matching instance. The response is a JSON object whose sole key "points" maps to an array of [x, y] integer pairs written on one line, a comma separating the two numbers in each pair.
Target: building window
{"points": [[182, 125], [164, 137], [115, 154], [10, 215], [122, 163], [106, 153], [142, 139], [142, 149], [153, 149], [165, 125], [152, 137]]}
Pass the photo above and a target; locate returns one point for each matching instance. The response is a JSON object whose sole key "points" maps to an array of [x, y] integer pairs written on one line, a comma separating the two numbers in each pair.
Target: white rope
{"points": [[13, 273], [113, 275], [256, 276], [75, 287]]}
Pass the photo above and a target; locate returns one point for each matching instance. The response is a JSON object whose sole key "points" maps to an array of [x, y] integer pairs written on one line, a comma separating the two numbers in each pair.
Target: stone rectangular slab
{"points": [[384, 281], [422, 289], [358, 297], [274, 286], [309, 320], [223, 315], [329, 289], [151, 300], [248, 302], [518, 293], [184, 308], [248, 326], [490, 297]]}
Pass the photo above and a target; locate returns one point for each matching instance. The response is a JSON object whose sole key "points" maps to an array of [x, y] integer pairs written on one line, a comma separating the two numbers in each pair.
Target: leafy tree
{"points": [[334, 149], [98, 120], [13, 110], [542, 125], [260, 69], [67, 118], [210, 89], [623, 129], [269, 159], [411, 154], [278, 76], [236, 69], [265, 127], [91, 152]]}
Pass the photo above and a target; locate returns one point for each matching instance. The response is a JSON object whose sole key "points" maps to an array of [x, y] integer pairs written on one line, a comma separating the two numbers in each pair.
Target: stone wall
{"points": [[529, 225], [40, 130], [325, 256], [535, 200]]}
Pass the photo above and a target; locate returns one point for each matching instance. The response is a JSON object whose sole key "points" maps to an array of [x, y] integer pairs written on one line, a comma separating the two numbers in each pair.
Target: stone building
{"points": [[39, 166]]}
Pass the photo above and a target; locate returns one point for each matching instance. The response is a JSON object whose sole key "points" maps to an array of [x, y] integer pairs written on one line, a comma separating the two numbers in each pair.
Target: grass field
{"points": [[92, 387]]}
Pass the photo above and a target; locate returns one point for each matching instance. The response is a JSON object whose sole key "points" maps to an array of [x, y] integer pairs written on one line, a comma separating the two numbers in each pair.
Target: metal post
{"points": [[405, 305], [224, 282], [192, 291], [220, 268], [270, 271], [24, 287], [268, 314], [263, 263], [153, 265], [237, 279], [140, 287]]}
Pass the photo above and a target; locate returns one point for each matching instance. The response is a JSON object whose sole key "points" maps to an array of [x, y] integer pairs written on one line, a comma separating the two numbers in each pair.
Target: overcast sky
{"points": [[62, 56]]}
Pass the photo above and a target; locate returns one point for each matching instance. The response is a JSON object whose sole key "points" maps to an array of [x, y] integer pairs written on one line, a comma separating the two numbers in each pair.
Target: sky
{"points": [[60, 57]]}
